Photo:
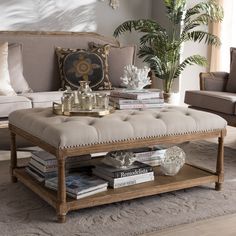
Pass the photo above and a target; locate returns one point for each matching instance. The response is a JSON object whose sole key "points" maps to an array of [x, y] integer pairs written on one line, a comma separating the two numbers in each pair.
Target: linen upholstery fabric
{"points": [[44, 99], [5, 85], [89, 65], [15, 66], [216, 101], [12, 103], [231, 85], [118, 58], [65, 132]]}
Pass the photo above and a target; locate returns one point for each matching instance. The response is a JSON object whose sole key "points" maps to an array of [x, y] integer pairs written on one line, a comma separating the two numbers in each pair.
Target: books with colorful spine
{"points": [[136, 168], [136, 94], [125, 181]]}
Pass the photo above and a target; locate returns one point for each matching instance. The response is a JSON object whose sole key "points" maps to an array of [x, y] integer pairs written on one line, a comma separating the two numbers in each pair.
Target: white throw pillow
{"points": [[5, 85]]}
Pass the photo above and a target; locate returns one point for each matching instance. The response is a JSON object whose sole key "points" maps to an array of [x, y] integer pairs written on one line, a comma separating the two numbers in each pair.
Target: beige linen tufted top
{"points": [[123, 125]]}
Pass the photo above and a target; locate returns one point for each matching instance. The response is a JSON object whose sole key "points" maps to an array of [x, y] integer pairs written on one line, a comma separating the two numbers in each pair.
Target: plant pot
{"points": [[171, 98]]}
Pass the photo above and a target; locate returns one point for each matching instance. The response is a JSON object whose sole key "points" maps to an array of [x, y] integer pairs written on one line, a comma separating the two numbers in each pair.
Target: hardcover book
{"points": [[136, 94], [132, 182], [138, 106], [49, 160], [41, 167], [119, 181], [136, 168], [82, 195], [79, 183], [123, 101], [150, 155]]}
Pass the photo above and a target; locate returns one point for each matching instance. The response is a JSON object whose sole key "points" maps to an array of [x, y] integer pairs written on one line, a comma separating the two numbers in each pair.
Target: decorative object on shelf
{"points": [[114, 3], [161, 47], [119, 159], [135, 78], [174, 159]]}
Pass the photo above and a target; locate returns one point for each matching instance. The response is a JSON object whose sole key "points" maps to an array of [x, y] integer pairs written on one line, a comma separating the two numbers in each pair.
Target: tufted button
{"points": [[91, 122], [187, 114], [126, 118]]}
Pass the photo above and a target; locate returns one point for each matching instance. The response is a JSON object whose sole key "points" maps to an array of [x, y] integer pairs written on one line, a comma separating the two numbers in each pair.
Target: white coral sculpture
{"points": [[135, 78]]}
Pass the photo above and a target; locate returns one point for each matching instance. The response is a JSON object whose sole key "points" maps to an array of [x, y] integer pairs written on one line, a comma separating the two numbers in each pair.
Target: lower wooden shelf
{"points": [[189, 176]]}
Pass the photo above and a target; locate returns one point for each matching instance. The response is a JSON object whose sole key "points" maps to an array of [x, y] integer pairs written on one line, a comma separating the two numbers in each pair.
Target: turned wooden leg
{"points": [[61, 192], [13, 157], [220, 163]]}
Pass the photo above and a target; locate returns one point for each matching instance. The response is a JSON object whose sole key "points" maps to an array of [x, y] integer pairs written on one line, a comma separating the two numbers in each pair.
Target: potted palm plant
{"points": [[161, 47]]}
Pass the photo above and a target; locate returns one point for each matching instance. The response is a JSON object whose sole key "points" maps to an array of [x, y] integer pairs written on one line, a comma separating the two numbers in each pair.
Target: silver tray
{"points": [[57, 109]]}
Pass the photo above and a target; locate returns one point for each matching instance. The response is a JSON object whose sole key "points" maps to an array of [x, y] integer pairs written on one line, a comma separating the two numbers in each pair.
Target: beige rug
{"points": [[25, 214]]}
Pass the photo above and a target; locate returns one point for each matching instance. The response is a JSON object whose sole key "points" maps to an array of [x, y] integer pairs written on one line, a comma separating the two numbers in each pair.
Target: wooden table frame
{"points": [[189, 176]]}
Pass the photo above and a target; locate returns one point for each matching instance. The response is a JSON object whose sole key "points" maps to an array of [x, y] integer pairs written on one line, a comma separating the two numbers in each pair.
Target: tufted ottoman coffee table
{"points": [[69, 136]]}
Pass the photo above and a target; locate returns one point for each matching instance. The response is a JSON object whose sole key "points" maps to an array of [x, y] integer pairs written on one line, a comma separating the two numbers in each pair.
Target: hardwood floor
{"points": [[219, 226]]}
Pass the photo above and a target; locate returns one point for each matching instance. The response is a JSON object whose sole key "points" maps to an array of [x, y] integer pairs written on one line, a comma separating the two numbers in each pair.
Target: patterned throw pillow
{"points": [[89, 65], [118, 58]]}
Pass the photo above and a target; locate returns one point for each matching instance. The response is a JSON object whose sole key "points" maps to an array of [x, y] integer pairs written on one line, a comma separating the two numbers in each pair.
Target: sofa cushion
{"points": [[231, 84], [15, 66], [79, 64], [43, 99], [5, 88], [118, 58], [216, 101], [9, 104]]}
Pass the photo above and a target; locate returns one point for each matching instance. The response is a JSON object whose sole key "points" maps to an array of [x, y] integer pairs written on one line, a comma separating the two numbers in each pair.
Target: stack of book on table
{"points": [[43, 165], [79, 185], [119, 177], [150, 156], [136, 99]]}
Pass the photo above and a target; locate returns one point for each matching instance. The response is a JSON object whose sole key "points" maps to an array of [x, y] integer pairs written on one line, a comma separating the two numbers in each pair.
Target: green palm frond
{"points": [[211, 8], [192, 60], [198, 36], [144, 26]]}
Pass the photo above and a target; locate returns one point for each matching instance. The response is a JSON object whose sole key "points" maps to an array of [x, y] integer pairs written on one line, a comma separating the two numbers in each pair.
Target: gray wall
{"points": [[97, 16], [71, 15]]}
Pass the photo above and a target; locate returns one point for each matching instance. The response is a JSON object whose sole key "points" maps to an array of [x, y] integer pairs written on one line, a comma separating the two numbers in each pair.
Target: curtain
{"points": [[220, 56]]}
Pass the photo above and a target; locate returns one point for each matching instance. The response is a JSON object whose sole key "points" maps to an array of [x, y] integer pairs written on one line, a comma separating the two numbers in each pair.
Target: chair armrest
{"points": [[213, 81]]}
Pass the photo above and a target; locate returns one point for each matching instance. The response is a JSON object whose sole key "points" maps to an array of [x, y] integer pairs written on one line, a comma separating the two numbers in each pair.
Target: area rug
{"points": [[24, 213]]}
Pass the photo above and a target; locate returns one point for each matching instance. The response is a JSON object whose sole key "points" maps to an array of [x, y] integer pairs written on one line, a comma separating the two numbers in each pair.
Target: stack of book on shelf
{"points": [[119, 177], [43, 165], [79, 185], [150, 156], [136, 99]]}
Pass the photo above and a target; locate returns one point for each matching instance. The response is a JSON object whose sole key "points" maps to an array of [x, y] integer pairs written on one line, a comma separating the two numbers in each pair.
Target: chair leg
{"points": [[220, 163], [13, 157]]}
